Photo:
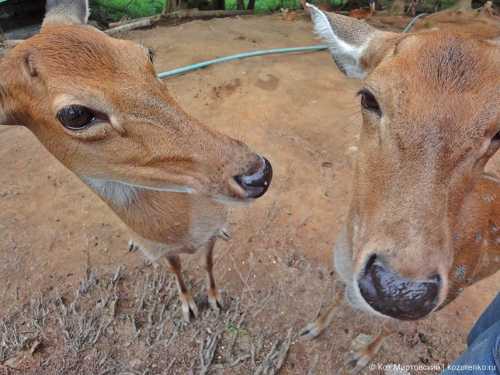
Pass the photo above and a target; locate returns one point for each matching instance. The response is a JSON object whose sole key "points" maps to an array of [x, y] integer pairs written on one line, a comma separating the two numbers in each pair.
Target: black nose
{"points": [[258, 182], [395, 296]]}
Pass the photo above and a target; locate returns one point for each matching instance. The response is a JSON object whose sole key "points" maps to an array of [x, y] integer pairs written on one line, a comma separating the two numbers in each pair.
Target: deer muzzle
{"points": [[257, 181]]}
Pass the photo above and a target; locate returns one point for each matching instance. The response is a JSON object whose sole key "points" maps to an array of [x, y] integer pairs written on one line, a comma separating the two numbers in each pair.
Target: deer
{"points": [[424, 216], [480, 23], [97, 106], [363, 13]]}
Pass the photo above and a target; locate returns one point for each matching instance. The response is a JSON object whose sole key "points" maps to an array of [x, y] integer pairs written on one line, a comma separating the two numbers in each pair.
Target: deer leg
{"points": [[214, 297], [132, 246], [316, 328], [364, 349], [189, 308]]}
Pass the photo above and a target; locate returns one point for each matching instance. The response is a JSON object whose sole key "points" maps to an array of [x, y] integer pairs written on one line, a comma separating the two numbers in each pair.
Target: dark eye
{"points": [[151, 54], [496, 138], [76, 117], [369, 102], [494, 144]]}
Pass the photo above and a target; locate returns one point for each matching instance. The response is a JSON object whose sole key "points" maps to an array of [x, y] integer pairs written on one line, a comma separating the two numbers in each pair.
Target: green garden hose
{"points": [[239, 56], [244, 55]]}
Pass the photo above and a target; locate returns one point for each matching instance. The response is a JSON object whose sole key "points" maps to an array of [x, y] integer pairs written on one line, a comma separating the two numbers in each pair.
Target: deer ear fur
{"points": [[66, 12]]}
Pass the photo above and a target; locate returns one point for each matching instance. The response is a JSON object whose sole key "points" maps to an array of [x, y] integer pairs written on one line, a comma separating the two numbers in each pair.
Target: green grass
{"points": [[264, 6], [114, 10]]}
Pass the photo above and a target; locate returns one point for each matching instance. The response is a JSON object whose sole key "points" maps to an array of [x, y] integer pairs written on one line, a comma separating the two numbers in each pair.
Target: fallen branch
{"points": [[196, 13], [121, 27], [276, 357], [207, 352]]}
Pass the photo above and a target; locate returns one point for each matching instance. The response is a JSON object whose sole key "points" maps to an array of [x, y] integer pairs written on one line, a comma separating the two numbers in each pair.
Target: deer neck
{"points": [[149, 214], [476, 237]]}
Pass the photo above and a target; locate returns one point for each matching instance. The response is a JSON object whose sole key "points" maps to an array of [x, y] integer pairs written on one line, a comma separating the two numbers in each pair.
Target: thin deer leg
{"points": [[316, 328], [364, 349], [214, 297], [189, 308]]}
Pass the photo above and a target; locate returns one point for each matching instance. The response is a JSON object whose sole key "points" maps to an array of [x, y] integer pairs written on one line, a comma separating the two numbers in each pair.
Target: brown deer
{"points": [[479, 23], [96, 104], [363, 13], [424, 219]]}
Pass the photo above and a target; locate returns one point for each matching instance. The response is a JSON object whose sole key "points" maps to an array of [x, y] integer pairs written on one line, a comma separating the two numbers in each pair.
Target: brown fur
{"points": [[421, 197], [478, 24], [431, 155], [424, 162], [143, 138], [120, 81]]}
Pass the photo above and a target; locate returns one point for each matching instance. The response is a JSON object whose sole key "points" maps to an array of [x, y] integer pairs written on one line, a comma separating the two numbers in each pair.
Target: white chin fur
{"points": [[232, 201], [356, 300], [122, 193], [342, 255]]}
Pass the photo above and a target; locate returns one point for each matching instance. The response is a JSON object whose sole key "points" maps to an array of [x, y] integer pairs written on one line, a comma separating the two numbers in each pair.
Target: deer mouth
{"points": [[395, 296], [254, 184], [378, 289]]}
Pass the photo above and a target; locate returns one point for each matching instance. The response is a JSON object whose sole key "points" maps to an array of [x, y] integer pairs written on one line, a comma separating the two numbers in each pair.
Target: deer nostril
{"points": [[257, 183], [393, 295]]}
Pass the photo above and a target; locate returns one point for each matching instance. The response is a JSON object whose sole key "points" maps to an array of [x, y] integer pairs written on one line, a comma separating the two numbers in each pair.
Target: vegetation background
{"points": [[115, 10]]}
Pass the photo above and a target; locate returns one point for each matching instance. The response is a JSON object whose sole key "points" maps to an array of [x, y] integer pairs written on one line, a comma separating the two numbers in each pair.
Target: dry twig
{"points": [[276, 357]]}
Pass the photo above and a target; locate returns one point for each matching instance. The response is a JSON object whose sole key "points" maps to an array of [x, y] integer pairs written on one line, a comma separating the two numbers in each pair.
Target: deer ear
{"points": [[356, 47], [20, 70], [3, 114], [5, 117], [66, 12]]}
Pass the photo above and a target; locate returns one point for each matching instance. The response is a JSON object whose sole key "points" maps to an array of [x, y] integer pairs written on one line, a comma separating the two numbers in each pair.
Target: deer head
{"points": [[96, 104], [430, 104]]}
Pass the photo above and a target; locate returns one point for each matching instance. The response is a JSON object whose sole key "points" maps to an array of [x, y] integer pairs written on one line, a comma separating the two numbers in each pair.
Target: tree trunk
{"points": [[220, 4], [462, 5], [398, 8], [240, 5], [251, 5]]}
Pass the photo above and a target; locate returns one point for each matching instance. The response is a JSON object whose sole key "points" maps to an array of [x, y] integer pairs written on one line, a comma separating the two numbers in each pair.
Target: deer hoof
{"points": [[311, 331], [362, 353], [189, 308], [215, 300], [132, 246], [224, 234]]}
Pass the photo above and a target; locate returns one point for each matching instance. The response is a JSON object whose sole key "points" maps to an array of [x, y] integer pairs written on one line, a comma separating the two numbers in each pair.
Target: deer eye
{"points": [[495, 141], [76, 117], [369, 102], [496, 137]]}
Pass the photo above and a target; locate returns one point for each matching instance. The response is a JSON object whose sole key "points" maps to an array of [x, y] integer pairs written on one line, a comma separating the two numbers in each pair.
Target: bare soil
{"points": [[73, 300]]}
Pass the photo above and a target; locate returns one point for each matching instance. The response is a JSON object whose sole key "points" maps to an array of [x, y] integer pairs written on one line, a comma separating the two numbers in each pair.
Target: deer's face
{"points": [[431, 121], [97, 106]]}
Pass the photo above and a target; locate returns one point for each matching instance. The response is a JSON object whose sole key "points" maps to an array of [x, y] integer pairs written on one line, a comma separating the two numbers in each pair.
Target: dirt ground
{"points": [[72, 294]]}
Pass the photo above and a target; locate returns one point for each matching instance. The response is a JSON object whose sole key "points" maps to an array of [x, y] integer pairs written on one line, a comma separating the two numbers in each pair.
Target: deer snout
{"points": [[256, 181], [398, 297]]}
